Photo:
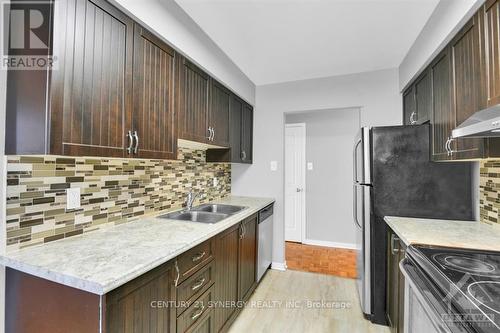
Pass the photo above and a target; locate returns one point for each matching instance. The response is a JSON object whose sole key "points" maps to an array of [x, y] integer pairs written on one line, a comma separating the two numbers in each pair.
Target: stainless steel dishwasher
{"points": [[265, 240]]}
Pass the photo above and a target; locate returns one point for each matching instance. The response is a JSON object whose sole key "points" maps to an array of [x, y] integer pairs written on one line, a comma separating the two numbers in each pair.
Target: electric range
{"points": [[469, 283]]}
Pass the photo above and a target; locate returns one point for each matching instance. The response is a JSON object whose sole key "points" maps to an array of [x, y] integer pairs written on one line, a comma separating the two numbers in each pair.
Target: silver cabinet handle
{"points": [[136, 137], [394, 239], [412, 120], [447, 145], [178, 274], [241, 231], [243, 155], [213, 133], [198, 256], [244, 230], [209, 133], [130, 142], [198, 284], [197, 314], [211, 137]]}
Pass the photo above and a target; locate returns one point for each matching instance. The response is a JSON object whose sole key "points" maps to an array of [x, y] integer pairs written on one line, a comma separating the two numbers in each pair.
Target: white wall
{"points": [[171, 23], [443, 24], [329, 138], [377, 93]]}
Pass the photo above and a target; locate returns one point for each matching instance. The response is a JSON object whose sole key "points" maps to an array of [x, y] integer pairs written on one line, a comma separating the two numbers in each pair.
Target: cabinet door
{"points": [[443, 119], [226, 274], [401, 290], [194, 107], [492, 46], [465, 52], [248, 257], [153, 115], [136, 306], [219, 113], [392, 297], [409, 106], [423, 98], [235, 129], [247, 133], [91, 91]]}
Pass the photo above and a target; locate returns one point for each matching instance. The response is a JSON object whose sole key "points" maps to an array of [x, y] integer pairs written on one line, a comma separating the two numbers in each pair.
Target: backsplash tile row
{"points": [[489, 198], [113, 191]]}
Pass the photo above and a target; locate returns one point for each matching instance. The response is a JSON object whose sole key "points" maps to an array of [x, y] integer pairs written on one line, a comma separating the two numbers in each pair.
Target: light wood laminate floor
{"points": [[270, 310]]}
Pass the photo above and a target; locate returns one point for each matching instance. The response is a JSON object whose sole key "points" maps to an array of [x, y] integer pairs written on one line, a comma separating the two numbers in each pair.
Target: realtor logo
{"points": [[26, 35]]}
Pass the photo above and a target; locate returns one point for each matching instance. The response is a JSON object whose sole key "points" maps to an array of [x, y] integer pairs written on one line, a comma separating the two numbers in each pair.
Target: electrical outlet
{"points": [[274, 165], [73, 198], [310, 166], [215, 182]]}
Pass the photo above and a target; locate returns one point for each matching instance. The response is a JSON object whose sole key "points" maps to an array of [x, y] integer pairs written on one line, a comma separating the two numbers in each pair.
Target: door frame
{"points": [[304, 215]]}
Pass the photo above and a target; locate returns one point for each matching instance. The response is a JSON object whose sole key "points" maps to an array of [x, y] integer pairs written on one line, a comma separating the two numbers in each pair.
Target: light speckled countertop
{"points": [[462, 234], [102, 260]]}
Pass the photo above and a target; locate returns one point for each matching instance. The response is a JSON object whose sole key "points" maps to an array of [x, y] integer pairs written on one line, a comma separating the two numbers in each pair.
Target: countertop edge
{"points": [[395, 229], [101, 289]]}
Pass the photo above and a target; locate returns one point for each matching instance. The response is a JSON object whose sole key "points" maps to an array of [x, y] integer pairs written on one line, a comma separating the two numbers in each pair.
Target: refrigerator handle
{"points": [[355, 207], [355, 159]]}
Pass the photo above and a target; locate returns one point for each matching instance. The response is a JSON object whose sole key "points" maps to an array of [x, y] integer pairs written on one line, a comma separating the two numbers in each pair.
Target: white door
{"points": [[295, 162]]}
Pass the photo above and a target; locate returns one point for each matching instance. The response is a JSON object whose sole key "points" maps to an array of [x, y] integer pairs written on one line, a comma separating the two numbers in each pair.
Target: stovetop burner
{"points": [[486, 293], [465, 264]]}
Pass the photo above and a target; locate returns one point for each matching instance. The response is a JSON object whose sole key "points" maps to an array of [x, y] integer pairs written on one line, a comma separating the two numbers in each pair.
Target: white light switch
{"points": [[309, 166], [274, 165], [73, 198]]}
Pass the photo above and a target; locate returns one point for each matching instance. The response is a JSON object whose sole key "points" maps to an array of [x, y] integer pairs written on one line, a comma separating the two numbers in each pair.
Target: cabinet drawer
{"points": [[194, 286], [190, 261], [198, 309]]}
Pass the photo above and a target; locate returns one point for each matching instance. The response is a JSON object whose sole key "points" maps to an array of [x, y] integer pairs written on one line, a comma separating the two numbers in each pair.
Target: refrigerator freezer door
{"points": [[362, 157], [362, 221]]}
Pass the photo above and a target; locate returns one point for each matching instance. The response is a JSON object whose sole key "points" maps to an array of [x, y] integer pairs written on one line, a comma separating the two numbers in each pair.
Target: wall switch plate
{"points": [[309, 166], [73, 198], [215, 182], [274, 165]]}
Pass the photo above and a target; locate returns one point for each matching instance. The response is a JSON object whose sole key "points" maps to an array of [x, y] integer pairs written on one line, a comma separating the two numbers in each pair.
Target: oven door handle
{"points": [[433, 306]]}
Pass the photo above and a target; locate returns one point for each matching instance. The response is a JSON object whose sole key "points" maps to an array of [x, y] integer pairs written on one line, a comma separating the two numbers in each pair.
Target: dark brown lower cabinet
{"points": [[141, 305], [199, 291], [248, 257], [226, 287], [395, 284]]}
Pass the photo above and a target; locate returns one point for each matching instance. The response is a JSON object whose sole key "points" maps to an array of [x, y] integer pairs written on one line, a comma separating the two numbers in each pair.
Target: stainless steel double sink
{"points": [[207, 213]]}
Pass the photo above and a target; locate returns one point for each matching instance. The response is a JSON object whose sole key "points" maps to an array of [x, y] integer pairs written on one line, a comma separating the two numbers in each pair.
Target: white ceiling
{"points": [[286, 40]]}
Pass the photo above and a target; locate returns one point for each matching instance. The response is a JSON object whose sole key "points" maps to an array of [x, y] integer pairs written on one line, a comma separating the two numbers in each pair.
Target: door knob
{"points": [[299, 189]]}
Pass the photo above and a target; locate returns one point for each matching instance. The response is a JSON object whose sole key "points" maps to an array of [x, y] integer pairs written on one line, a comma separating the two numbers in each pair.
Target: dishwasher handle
{"points": [[266, 212]]}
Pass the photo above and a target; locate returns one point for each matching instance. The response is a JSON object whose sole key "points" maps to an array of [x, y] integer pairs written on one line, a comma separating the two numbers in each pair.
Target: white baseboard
{"points": [[279, 266], [350, 246]]}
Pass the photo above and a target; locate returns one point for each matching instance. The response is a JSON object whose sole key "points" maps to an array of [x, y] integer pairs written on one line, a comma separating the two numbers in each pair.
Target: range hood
{"points": [[482, 124]]}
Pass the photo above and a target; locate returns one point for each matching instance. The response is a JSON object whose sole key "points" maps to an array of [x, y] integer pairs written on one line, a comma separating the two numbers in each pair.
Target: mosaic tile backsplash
{"points": [[489, 198], [113, 191]]}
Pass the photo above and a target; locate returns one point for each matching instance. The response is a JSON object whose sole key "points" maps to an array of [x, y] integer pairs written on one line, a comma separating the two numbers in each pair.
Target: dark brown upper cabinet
{"points": [[409, 106], [417, 101], [423, 98], [465, 56], [91, 100], [462, 79], [247, 134], [154, 125], [88, 111], [491, 14], [193, 119], [443, 118], [218, 119]]}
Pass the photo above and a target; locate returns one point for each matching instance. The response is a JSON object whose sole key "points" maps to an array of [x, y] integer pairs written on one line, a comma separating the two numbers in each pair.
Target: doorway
{"points": [[295, 161], [319, 232]]}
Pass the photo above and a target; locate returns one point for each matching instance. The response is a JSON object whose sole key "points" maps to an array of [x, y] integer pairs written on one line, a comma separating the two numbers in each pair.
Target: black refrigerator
{"points": [[394, 176]]}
